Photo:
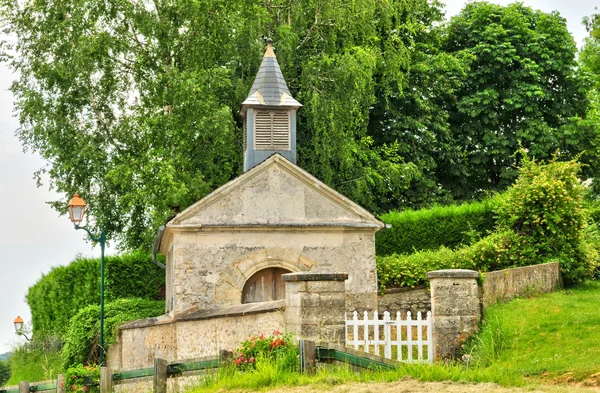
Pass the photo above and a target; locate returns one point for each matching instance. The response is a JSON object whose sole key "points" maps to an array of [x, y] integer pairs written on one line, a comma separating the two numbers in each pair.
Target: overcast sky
{"points": [[33, 237]]}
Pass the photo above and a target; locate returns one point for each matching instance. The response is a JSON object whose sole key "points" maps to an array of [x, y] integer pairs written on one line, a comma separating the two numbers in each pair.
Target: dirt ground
{"points": [[410, 386]]}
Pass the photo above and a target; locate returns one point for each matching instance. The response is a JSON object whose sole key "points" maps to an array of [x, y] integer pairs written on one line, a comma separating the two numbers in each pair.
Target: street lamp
{"points": [[77, 207], [19, 327]]}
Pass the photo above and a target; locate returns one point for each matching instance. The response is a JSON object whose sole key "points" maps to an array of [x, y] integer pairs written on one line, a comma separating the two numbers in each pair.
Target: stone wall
{"points": [[405, 299], [501, 285], [455, 307], [504, 285], [192, 336], [315, 306]]}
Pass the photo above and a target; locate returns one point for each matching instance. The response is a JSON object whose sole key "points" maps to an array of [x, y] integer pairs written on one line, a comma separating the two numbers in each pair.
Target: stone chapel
{"points": [[232, 247]]}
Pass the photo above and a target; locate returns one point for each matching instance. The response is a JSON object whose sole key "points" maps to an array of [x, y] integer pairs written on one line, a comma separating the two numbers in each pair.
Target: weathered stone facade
{"points": [[275, 215]]}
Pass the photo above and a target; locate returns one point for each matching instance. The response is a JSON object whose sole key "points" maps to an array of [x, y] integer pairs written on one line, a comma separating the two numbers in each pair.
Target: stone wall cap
{"points": [[233, 311], [293, 277], [453, 273], [147, 322]]}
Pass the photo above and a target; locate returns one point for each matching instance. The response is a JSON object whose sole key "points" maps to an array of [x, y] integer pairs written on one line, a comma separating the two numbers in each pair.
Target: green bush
{"points": [[430, 229], [34, 362], [409, 270], [545, 207], [61, 293], [4, 371], [81, 339], [493, 252], [541, 218]]}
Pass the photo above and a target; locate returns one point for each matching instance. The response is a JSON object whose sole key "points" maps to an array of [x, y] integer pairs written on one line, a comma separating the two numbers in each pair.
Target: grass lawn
{"points": [[551, 338]]}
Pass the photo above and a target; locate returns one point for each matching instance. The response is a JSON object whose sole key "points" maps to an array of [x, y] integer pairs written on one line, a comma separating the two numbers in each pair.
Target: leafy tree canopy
{"points": [[522, 87], [134, 104]]}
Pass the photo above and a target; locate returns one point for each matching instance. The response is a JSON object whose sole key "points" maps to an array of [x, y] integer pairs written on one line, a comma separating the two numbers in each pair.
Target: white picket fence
{"points": [[395, 337]]}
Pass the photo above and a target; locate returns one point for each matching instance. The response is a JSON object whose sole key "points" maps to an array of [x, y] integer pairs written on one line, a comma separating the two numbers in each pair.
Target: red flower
{"points": [[73, 377], [252, 359], [85, 388], [73, 387], [276, 332]]}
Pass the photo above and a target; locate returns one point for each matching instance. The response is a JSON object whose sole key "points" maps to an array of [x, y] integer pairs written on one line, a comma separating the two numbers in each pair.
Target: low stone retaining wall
{"points": [[195, 335], [503, 285], [405, 299], [498, 286]]}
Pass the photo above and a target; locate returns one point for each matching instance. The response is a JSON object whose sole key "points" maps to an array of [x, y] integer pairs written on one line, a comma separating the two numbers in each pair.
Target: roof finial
{"points": [[269, 52]]}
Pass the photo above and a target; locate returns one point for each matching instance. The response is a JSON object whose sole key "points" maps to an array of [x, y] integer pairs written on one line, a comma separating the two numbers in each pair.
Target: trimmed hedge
{"points": [[494, 252], [430, 229], [541, 219], [61, 293], [82, 338]]}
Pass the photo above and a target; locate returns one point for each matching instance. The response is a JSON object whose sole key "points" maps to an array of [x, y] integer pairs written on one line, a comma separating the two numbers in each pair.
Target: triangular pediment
{"points": [[275, 193]]}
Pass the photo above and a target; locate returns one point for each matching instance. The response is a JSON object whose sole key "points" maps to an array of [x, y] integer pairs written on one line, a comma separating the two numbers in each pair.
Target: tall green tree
{"points": [[134, 104], [522, 87]]}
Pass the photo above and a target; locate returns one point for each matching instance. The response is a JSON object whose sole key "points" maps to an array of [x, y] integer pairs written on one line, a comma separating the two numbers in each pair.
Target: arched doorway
{"points": [[265, 285]]}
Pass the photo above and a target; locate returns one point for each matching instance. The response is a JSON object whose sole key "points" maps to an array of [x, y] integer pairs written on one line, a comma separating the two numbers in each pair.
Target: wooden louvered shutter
{"points": [[281, 130], [272, 130], [262, 130]]}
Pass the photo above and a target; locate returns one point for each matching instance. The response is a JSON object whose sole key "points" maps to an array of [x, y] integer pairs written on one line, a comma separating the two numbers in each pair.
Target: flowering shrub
{"points": [[75, 378], [279, 348]]}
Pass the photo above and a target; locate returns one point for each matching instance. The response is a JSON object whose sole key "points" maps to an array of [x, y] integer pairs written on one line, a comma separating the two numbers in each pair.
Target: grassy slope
{"points": [[555, 336]]}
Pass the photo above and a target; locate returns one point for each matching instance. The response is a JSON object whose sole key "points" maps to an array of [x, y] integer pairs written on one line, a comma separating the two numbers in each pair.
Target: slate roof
{"points": [[269, 87]]}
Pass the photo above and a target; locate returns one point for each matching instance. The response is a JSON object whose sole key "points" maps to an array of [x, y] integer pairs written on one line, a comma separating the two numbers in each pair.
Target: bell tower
{"points": [[269, 115]]}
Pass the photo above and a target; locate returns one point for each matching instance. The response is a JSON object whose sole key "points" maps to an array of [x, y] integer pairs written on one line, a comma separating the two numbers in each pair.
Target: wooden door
{"points": [[264, 286]]}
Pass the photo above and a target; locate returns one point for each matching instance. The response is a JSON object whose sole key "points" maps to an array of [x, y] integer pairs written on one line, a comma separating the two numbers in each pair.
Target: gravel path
{"points": [[410, 386]]}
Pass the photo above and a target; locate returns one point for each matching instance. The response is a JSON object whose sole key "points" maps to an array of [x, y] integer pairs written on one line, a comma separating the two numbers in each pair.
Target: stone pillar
{"points": [[315, 306], [456, 310]]}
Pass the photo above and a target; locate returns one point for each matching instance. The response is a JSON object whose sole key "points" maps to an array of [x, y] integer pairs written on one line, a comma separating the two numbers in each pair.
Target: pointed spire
{"points": [[269, 87]]}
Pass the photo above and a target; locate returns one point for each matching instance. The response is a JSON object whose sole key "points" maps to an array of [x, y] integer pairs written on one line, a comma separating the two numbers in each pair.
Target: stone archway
{"points": [[265, 285], [230, 287]]}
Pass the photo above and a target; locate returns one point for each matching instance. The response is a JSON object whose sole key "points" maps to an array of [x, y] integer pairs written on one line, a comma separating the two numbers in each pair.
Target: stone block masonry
{"points": [[456, 309], [315, 306], [503, 285]]}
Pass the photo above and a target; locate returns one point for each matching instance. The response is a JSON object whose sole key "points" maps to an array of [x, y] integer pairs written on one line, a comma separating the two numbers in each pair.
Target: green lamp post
{"points": [[77, 207]]}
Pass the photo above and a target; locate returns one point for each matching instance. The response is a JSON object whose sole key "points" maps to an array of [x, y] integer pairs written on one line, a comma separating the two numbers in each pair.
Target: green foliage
{"points": [[523, 87], [35, 361], [4, 372], [126, 111], [429, 229], [541, 218], [61, 293], [278, 348], [409, 270], [76, 378], [545, 207], [82, 337]]}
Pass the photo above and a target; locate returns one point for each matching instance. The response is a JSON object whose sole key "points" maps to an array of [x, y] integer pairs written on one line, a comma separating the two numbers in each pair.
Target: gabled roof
{"points": [[275, 193], [269, 87]]}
